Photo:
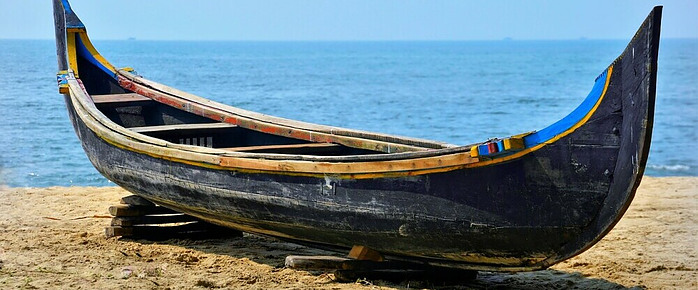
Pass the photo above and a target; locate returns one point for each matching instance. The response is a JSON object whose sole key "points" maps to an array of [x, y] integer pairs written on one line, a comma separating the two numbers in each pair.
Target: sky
{"points": [[358, 20]]}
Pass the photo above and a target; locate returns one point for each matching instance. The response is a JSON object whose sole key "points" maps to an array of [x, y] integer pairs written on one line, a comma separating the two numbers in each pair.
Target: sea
{"points": [[457, 92]]}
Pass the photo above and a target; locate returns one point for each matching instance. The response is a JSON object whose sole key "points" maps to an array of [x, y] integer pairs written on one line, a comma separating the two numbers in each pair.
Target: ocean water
{"points": [[457, 92]]}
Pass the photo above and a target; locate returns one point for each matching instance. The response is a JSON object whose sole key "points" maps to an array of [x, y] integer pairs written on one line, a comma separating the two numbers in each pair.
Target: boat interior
{"points": [[147, 116]]}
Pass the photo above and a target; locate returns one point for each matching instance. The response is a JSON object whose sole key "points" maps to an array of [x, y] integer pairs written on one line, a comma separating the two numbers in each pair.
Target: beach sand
{"points": [[54, 238]]}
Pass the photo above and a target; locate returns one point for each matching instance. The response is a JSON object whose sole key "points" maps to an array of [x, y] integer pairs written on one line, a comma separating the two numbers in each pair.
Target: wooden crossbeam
{"points": [[119, 98], [181, 127], [288, 148]]}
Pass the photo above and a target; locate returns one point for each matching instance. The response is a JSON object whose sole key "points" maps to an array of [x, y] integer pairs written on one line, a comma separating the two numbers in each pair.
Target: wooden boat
{"points": [[516, 203]]}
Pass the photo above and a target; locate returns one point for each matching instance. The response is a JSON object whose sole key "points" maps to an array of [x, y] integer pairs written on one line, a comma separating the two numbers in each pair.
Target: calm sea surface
{"points": [[458, 92]]}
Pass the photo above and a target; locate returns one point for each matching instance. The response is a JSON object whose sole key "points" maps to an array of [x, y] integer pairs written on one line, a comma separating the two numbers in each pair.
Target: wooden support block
{"points": [[366, 265], [111, 232], [444, 276], [315, 262], [400, 271], [139, 218], [394, 275], [339, 263], [194, 230], [349, 270], [136, 200], [151, 219], [365, 253], [136, 210]]}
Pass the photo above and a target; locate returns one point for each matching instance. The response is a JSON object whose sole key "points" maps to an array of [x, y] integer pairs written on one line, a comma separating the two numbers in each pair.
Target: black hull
{"points": [[524, 214]]}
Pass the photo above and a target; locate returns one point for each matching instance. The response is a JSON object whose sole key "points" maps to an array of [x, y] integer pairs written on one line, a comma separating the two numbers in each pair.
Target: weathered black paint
{"points": [[527, 214], [633, 93], [59, 24]]}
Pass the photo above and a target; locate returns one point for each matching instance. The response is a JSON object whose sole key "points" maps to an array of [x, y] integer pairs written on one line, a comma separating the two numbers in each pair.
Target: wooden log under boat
{"points": [[516, 203]]}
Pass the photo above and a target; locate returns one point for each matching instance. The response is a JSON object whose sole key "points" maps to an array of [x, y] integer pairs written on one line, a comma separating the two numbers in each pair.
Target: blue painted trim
{"points": [[483, 150], [71, 20], [87, 55], [573, 118], [66, 6]]}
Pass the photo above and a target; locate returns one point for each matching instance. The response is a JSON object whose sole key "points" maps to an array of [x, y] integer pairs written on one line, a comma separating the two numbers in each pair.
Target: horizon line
{"points": [[506, 39]]}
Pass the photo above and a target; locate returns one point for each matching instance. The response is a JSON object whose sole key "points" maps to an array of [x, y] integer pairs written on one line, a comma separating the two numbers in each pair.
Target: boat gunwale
{"points": [[121, 137], [232, 115], [170, 94], [290, 123], [347, 166], [350, 166]]}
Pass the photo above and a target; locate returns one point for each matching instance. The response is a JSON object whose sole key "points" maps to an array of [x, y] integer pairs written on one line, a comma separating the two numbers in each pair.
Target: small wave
{"points": [[678, 167]]}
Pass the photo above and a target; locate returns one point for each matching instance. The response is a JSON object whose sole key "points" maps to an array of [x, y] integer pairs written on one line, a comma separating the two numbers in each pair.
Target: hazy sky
{"points": [[351, 20]]}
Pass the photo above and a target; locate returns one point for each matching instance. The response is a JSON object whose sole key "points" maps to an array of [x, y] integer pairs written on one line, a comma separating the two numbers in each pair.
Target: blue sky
{"points": [[350, 20]]}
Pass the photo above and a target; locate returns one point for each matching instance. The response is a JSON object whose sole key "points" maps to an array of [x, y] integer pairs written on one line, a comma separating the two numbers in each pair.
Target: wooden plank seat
{"points": [[198, 134], [181, 127], [307, 148], [119, 98], [203, 134]]}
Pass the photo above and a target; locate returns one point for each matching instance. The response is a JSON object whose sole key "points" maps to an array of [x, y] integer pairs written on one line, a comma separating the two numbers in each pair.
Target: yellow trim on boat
{"points": [[88, 45], [215, 159], [551, 140], [72, 52]]}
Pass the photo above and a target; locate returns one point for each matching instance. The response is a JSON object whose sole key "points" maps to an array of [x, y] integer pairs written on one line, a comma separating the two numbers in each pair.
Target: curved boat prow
{"points": [[72, 41], [632, 91], [65, 22]]}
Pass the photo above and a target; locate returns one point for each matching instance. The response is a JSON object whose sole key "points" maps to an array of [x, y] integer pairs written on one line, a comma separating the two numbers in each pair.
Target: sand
{"points": [[54, 238]]}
